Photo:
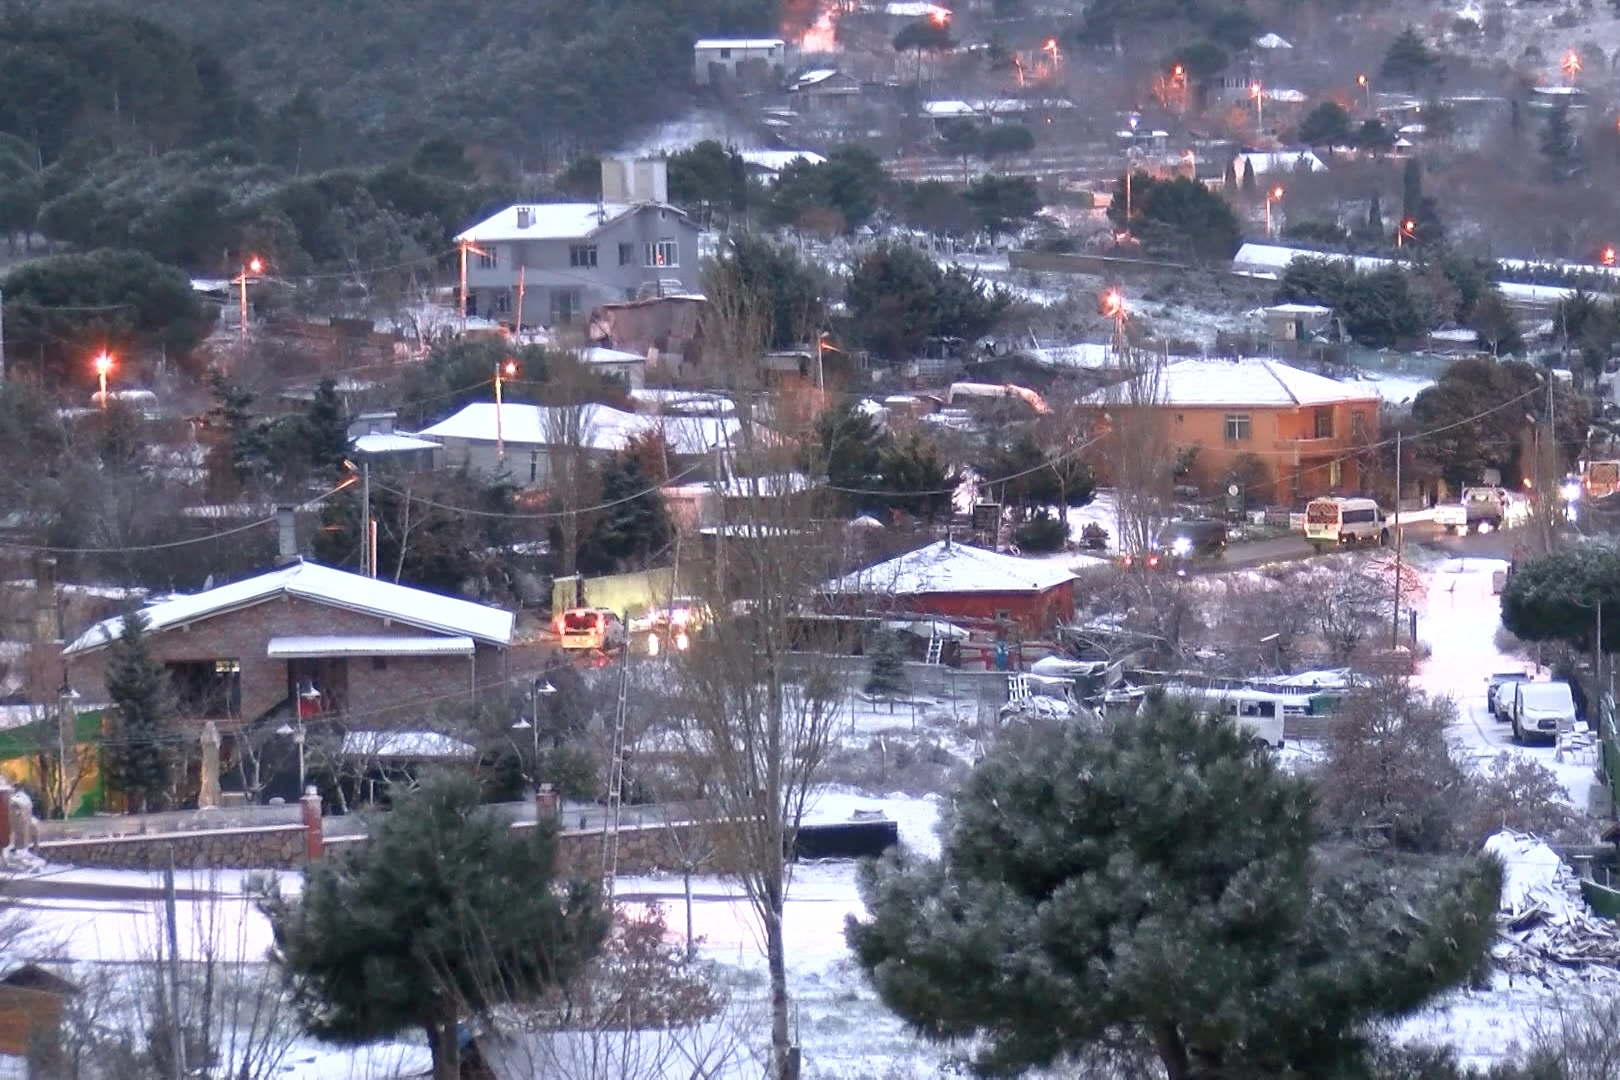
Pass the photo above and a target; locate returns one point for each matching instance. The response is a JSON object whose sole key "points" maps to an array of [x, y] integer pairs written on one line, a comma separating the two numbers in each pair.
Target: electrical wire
{"points": [[543, 516]]}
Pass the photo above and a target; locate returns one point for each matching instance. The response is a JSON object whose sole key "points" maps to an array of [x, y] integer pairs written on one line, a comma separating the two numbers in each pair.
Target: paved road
{"points": [[1290, 548]]}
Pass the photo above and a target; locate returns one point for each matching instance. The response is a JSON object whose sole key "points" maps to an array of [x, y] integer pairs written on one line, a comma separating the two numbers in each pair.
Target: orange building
{"points": [[1287, 434]]}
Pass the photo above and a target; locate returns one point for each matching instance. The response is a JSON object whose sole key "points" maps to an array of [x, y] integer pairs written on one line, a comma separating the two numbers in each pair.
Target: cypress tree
{"points": [[145, 745], [886, 676], [1248, 175]]}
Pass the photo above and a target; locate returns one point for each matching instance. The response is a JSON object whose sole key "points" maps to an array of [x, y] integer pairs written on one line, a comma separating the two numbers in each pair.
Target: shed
{"points": [[31, 1001]]}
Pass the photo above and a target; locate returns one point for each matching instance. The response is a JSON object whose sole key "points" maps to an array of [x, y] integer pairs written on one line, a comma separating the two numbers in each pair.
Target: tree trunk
{"points": [[1172, 1051], [444, 1042], [776, 961]]}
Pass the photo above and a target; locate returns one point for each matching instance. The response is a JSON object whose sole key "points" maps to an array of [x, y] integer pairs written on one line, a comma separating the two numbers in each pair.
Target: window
{"points": [[1336, 479], [534, 466], [582, 256], [627, 254], [207, 689], [725, 54], [503, 302], [1358, 425], [379, 663], [1237, 427], [564, 305], [663, 253], [1003, 615], [1324, 423], [489, 258]]}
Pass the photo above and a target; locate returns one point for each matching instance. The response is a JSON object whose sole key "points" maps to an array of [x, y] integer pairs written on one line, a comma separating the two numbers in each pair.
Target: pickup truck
{"points": [[1481, 509]]}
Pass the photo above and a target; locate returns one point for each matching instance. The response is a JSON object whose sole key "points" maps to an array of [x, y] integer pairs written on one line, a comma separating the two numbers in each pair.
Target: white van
{"points": [[1256, 711], [1541, 710], [1337, 521]]}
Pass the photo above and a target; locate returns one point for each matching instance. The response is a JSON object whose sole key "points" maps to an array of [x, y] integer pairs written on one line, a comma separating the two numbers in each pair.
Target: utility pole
{"points": [[365, 516], [518, 326], [1400, 535]]}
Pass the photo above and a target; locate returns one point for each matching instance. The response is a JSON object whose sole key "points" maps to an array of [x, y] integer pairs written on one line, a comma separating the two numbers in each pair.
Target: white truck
{"points": [[1481, 509], [1541, 710]]}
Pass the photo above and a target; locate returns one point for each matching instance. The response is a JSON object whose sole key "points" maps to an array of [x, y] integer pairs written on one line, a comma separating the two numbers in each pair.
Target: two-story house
{"points": [[716, 60], [1298, 434], [549, 264]]}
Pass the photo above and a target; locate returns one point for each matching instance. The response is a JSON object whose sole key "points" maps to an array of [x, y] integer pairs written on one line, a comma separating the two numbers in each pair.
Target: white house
{"points": [[1271, 162], [719, 59]]}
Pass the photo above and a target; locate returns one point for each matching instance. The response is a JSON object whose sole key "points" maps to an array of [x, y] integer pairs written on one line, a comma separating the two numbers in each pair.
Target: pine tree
{"points": [[327, 430], [1375, 216], [444, 915], [886, 675], [1411, 189], [1157, 877], [145, 744], [1248, 176], [1231, 176], [635, 524]]}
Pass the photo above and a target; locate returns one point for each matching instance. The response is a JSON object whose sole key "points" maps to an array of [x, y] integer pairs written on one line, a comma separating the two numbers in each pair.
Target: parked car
{"points": [[1499, 693], [1336, 522], [589, 628], [1541, 710]]}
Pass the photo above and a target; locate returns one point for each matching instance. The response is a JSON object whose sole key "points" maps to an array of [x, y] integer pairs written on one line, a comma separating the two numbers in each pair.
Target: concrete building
{"points": [[717, 60], [1291, 434], [557, 261]]}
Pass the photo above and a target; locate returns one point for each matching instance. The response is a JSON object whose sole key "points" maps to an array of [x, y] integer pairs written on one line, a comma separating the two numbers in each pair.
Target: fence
{"points": [[113, 826]]}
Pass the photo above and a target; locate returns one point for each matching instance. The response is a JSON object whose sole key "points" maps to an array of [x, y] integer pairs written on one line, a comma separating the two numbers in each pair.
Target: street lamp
{"points": [[531, 723], [1407, 231], [297, 734], [506, 369], [1366, 90], [1272, 196], [253, 268], [1571, 66], [1608, 256], [1113, 306], [104, 365], [1259, 96]]}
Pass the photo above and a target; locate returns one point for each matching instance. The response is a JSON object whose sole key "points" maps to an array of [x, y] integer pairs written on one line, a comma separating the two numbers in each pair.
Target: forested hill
{"points": [[539, 78]]}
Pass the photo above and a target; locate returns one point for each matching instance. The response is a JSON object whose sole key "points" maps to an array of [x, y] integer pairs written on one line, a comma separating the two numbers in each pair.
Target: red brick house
{"points": [[307, 640], [958, 581]]}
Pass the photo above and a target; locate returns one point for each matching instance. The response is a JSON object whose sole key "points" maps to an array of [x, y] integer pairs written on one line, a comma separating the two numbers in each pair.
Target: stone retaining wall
{"points": [[266, 847]]}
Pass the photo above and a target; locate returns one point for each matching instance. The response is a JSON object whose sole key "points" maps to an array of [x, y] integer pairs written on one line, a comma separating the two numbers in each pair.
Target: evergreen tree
{"points": [[326, 430], [634, 525], [1560, 145], [1409, 62], [1411, 188], [144, 747], [445, 914], [1375, 216], [1248, 176], [915, 478], [1231, 176], [886, 675], [1155, 881], [849, 452]]}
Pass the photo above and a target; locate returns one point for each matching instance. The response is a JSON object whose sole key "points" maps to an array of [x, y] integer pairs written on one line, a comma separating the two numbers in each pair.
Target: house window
{"points": [[564, 305], [1003, 615], [489, 258], [582, 256], [1335, 473], [1324, 423], [379, 663], [503, 302], [1237, 427], [1358, 425], [627, 254], [663, 253], [207, 689], [725, 54], [534, 466]]}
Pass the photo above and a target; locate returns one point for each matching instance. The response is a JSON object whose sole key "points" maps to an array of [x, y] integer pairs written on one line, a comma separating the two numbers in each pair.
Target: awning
{"points": [[303, 646], [927, 629]]}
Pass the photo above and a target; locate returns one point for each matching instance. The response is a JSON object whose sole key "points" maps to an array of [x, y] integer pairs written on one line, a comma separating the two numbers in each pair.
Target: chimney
{"points": [[525, 217], [286, 536]]}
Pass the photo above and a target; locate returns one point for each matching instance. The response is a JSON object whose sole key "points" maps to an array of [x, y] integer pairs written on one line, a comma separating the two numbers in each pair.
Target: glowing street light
{"points": [[1406, 232], [104, 366], [1366, 89], [1571, 66], [254, 267], [1113, 306], [506, 369], [939, 16], [1608, 256], [1274, 195], [1259, 95]]}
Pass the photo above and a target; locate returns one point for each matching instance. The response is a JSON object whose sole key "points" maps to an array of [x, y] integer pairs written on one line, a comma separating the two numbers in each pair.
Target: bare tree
{"points": [[759, 716], [1139, 455], [570, 429]]}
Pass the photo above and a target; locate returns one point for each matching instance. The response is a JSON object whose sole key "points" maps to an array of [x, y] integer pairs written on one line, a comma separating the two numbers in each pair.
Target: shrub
{"points": [[1042, 534]]}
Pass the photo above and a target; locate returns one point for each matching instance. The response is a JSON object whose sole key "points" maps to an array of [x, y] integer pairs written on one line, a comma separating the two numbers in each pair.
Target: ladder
{"points": [[936, 646], [615, 794]]}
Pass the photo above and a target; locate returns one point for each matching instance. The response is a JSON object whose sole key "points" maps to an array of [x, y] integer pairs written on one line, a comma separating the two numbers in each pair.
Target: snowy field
{"points": [[845, 1033]]}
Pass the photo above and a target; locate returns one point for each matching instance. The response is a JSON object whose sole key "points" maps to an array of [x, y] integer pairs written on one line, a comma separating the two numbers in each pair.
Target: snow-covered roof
{"points": [[1247, 383], [777, 160], [600, 427], [547, 221], [949, 566], [687, 402], [915, 9], [1083, 355], [306, 645], [598, 355], [738, 43], [1271, 41], [391, 443], [1285, 96], [416, 745], [814, 78], [321, 585], [942, 109], [1277, 161], [1460, 335], [1298, 309]]}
